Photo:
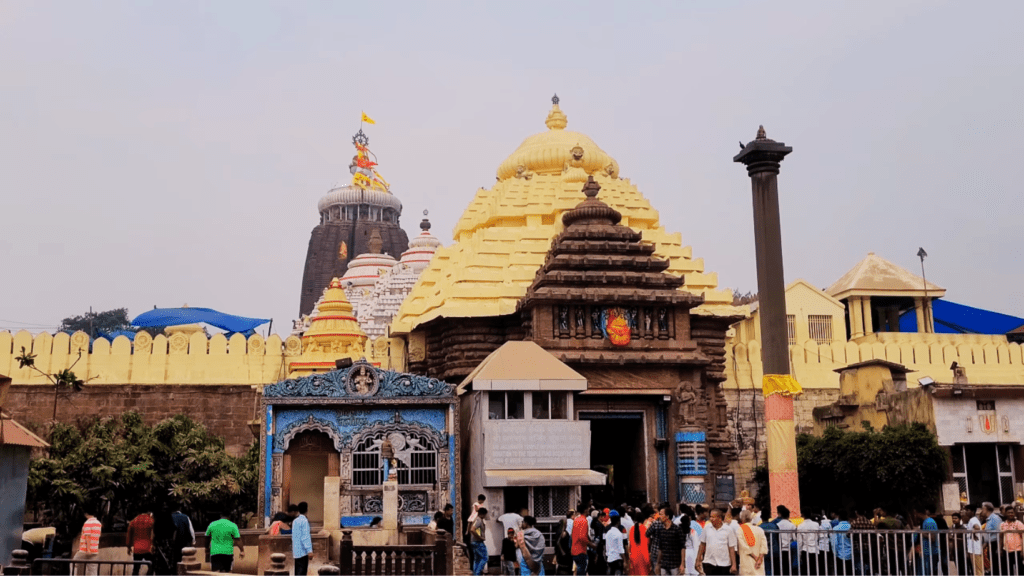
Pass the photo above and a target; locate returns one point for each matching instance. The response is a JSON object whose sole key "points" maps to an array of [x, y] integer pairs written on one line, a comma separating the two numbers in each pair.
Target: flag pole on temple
{"points": [[762, 157]]}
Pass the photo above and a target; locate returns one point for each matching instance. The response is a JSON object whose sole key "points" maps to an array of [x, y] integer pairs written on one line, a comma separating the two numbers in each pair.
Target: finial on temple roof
{"points": [[761, 134], [425, 224], [591, 188], [554, 99]]}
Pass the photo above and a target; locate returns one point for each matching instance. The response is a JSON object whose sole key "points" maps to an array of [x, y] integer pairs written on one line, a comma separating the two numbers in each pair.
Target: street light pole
{"points": [[929, 326]]}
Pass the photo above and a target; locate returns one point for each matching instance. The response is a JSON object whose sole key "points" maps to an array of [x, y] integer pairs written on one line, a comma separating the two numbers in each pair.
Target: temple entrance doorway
{"points": [[617, 449], [309, 458]]}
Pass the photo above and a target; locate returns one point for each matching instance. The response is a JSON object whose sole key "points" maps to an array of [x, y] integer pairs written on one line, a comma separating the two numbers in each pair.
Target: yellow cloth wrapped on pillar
{"points": [[784, 385]]}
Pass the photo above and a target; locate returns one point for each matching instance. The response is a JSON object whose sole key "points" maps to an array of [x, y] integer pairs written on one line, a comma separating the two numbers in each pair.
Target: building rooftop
{"points": [[506, 231], [875, 276], [896, 367]]}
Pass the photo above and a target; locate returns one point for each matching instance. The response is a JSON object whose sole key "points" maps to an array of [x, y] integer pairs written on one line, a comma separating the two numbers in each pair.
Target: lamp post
{"points": [[762, 157], [927, 304]]}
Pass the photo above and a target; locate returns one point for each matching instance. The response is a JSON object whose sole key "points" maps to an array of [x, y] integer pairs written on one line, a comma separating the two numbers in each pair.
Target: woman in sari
{"points": [[636, 545]]}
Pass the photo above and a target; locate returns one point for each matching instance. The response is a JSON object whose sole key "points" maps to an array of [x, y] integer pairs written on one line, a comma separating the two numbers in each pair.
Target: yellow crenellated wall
{"points": [[989, 359], [180, 359]]}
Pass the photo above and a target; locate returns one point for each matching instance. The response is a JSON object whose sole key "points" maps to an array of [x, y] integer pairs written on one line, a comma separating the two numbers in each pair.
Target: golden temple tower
{"points": [[333, 334]]}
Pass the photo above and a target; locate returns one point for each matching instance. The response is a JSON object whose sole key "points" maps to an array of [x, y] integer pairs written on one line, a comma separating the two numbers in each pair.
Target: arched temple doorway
{"points": [[309, 458]]}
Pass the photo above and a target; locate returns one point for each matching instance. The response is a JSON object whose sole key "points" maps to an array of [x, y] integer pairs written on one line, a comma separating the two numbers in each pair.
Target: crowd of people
{"points": [[740, 539]]}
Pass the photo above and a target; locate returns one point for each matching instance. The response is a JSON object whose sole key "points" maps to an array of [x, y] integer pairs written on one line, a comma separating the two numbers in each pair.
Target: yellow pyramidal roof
{"points": [[506, 231]]}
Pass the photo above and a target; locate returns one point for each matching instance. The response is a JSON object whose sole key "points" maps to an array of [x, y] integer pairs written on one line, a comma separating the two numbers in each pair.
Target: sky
{"points": [[170, 153]]}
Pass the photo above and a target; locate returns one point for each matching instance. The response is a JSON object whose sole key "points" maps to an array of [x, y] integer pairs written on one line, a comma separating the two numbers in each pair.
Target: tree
{"points": [[117, 466], [899, 468], [64, 381], [92, 323], [96, 323], [739, 298]]}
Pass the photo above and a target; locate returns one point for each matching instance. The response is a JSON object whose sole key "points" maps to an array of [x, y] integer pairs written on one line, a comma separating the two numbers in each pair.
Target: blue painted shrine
{"points": [[343, 417]]}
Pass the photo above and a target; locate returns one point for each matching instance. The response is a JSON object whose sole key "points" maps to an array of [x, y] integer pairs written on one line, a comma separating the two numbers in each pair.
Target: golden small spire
{"points": [[556, 118]]}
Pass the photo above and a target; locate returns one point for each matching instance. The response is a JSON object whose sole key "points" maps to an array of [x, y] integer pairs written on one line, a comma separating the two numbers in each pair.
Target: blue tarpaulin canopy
{"points": [[961, 319], [189, 315]]}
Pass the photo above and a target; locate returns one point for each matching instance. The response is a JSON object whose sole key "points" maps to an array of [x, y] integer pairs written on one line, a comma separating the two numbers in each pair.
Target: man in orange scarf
{"points": [[751, 546]]}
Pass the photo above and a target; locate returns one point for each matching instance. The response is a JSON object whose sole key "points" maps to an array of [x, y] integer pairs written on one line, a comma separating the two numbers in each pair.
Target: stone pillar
{"points": [[869, 325], [762, 157], [389, 521], [332, 503], [919, 310], [856, 318]]}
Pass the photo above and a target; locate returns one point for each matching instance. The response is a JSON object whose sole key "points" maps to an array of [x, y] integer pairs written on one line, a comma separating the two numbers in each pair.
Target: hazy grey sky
{"points": [[161, 153]]}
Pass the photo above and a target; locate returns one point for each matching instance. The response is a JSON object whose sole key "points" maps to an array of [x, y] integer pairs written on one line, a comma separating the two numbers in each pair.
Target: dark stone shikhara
{"points": [[324, 260], [597, 270]]}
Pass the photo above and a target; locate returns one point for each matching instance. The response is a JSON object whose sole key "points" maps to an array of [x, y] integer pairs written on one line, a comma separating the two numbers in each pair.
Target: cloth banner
{"points": [[781, 446], [784, 385]]}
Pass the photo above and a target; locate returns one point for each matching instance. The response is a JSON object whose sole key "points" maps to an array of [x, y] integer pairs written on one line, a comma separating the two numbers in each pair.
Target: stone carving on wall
{"points": [[256, 344], [143, 342], [293, 346], [360, 380], [400, 433], [283, 439], [179, 343], [408, 502], [687, 400]]}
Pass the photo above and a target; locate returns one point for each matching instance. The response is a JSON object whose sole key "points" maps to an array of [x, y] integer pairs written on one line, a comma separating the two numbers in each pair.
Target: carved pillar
{"points": [[276, 470]]}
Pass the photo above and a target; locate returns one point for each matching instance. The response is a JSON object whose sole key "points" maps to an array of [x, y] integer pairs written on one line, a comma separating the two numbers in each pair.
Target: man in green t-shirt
{"points": [[224, 536]]}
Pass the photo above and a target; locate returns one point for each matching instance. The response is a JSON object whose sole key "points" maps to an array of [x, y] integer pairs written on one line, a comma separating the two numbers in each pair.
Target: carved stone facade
{"points": [[604, 304], [355, 412]]}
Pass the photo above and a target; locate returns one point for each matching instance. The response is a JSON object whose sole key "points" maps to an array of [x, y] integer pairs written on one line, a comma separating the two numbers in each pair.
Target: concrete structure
{"points": [[878, 291], [324, 438], [514, 405], [979, 425], [333, 334], [599, 285], [349, 215], [16, 445], [814, 358], [506, 231], [379, 302]]}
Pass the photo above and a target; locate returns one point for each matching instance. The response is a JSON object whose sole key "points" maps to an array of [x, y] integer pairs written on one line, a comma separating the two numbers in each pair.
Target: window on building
{"points": [[986, 405], [506, 405], [791, 328], [417, 465], [366, 465], [550, 501], [820, 328], [549, 405]]}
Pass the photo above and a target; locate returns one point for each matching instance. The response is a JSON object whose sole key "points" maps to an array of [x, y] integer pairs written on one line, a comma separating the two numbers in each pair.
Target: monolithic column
{"points": [[762, 157]]}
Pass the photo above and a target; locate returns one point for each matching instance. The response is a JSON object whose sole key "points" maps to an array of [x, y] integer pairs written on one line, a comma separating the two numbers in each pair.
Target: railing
{"points": [[893, 552], [89, 567], [428, 559]]}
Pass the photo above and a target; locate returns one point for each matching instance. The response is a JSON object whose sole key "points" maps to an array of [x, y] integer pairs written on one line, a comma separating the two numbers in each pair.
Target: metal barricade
{"points": [[894, 552]]}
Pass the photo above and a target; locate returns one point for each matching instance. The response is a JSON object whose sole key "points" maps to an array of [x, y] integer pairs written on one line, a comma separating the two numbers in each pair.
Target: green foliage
{"points": [[899, 468], [118, 466], [105, 321]]}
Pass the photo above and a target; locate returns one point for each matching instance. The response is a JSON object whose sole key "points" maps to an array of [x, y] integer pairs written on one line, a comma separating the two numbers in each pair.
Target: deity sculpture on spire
{"points": [[364, 175]]}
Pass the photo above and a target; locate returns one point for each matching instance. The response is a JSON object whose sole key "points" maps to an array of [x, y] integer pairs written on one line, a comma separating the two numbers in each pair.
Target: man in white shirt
{"points": [[974, 540], [512, 520], [613, 548], [717, 553], [787, 535], [807, 544]]}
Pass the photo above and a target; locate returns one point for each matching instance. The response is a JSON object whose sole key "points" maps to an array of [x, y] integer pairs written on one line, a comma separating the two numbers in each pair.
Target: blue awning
{"points": [[953, 318], [189, 315]]}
